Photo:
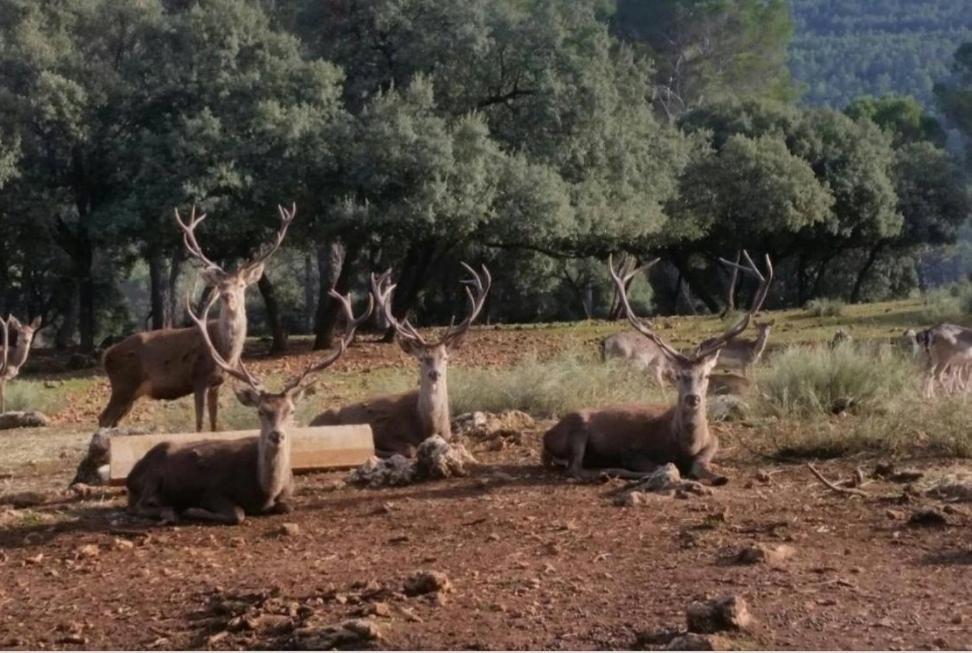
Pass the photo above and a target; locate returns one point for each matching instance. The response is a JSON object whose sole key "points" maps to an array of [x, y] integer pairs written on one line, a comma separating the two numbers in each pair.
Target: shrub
{"points": [[948, 303], [825, 307], [806, 381]]}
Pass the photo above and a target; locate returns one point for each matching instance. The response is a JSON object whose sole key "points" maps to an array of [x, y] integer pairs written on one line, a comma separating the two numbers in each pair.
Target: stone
{"points": [[697, 642], [427, 582], [762, 553], [353, 633], [288, 529], [717, 615]]}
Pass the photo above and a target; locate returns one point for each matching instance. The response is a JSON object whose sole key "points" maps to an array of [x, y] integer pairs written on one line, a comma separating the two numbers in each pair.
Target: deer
{"points": [[745, 353], [223, 481], [948, 348], [644, 354], [630, 441], [173, 363], [401, 422], [15, 356]]}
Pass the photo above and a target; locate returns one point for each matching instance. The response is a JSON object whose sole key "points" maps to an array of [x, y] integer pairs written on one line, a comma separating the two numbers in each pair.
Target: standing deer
{"points": [[173, 363], [631, 440], [401, 422], [225, 480], [645, 354], [14, 357], [949, 351], [744, 353]]}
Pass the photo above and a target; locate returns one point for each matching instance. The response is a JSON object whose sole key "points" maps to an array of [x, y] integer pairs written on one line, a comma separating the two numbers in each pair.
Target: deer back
{"points": [[394, 419]]}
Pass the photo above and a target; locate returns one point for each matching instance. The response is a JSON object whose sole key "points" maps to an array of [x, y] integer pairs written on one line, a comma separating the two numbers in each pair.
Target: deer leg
{"points": [[118, 406], [217, 509], [576, 447], [199, 399], [165, 514], [702, 470], [212, 398]]}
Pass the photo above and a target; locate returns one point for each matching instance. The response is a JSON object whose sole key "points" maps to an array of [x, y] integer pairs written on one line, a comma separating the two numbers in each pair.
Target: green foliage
{"points": [[949, 303], [955, 94], [902, 116], [27, 394], [807, 381], [825, 307]]}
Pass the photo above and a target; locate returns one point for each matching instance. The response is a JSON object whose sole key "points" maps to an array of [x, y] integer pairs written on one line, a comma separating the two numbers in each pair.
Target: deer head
{"points": [[14, 356], [276, 409], [433, 357], [691, 372], [231, 286]]}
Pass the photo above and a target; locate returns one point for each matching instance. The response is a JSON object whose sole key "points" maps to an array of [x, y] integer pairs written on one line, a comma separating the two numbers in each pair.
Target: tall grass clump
{"points": [[825, 307], [21, 394], [549, 388], [948, 303], [808, 381]]}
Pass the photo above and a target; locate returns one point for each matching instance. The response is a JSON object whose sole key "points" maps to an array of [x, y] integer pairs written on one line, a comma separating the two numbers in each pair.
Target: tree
{"points": [[955, 95], [706, 50], [903, 117]]}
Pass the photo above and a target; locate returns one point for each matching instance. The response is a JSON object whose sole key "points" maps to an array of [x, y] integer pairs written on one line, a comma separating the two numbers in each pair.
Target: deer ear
{"points": [[710, 359], [35, 324], [211, 276], [408, 346], [253, 274], [248, 397], [13, 323]]}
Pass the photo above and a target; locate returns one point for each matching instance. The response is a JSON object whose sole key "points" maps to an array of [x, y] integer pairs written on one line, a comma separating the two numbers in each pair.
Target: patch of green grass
{"points": [[825, 307], [550, 388], [24, 394], [806, 381], [948, 304]]}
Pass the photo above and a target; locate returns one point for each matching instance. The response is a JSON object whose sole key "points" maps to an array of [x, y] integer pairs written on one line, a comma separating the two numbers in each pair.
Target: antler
{"points": [[242, 374], [712, 344], [477, 300], [621, 282], [382, 289], [286, 217], [353, 324], [189, 236]]}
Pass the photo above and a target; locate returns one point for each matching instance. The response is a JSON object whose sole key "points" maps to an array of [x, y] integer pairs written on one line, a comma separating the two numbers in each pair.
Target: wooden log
{"points": [[315, 448]]}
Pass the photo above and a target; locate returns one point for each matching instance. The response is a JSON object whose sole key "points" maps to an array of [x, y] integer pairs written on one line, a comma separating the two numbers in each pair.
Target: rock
{"points": [[353, 633], [18, 419], [928, 517], [952, 491], [726, 613], [666, 480], [697, 642], [631, 499], [762, 553], [426, 582], [435, 458], [121, 543], [724, 408], [88, 551], [288, 529]]}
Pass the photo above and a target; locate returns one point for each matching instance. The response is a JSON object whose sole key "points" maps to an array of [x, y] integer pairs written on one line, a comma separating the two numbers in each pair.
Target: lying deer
{"points": [[631, 440], [225, 480], [645, 354], [173, 363], [15, 356], [401, 422]]}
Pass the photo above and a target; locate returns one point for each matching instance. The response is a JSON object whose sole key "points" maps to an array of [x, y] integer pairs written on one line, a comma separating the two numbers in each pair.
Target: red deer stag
{"points": [[401, 422], [630, 441], [14, 357], [220, 480], [173, 363]]}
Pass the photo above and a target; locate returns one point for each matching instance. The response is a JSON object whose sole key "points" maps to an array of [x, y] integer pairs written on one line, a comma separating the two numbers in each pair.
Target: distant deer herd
{"points": [[224, 481]]}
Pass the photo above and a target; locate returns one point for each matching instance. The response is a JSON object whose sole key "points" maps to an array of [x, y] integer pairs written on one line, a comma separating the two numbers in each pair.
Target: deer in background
{"points": [[645, 354], [630, 441], [225, 480], [173, 363], [949, 351], [744, 353], [401, 422], [14, 356]]}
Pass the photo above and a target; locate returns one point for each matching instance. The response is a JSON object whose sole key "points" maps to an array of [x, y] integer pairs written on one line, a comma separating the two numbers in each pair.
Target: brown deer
{"points": [[948, 348], [401, 422], [744, 353], [644, 354], [15, 356], [225, 480], [173, 363], [630, 441]]}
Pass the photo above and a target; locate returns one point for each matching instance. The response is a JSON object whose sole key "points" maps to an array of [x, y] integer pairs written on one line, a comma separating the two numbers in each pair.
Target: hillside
{"points": [[842, 49]]}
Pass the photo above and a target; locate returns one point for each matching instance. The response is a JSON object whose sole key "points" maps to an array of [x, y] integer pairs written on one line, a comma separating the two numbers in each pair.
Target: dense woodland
{"points": [[536, 136]]}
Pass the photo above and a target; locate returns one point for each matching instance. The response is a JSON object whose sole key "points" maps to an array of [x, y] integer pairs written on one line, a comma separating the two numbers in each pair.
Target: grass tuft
{"points": [[825, 307], [25, 395]]}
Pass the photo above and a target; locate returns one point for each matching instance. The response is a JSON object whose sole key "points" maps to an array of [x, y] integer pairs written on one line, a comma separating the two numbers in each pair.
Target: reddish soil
{"points": [[534, 561]]}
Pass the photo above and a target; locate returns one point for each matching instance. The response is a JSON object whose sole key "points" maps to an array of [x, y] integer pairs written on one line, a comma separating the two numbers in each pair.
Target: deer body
{"points": [[399, 423], [744, 353], [641, 351], [949, 351], [631, 440], [173, 363], [14, 356]]}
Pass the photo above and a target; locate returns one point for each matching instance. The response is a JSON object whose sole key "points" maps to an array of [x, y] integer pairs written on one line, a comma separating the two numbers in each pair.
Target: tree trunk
{"points": [[157, 300], [865, 269], [415, 270], [801, 279], [731, 290], [308, 322], [334, 263], [821, 271], [274, 321], [173, 311], [68, 306], [695, 284]]}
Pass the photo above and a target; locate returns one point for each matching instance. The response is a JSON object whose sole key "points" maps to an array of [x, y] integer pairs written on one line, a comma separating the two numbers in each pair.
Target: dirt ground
{"points": [[532, 560]]}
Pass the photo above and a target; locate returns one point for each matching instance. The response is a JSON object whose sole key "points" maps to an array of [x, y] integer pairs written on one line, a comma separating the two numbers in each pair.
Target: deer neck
{"points": [[760, 345], [273, 467], [231, 335], [690, 427], [15, 359], [433, 406]]}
